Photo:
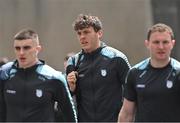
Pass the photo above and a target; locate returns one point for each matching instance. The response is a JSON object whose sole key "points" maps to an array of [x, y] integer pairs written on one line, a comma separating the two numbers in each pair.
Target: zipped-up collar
{"points": [[102, 45], [16, 65]]}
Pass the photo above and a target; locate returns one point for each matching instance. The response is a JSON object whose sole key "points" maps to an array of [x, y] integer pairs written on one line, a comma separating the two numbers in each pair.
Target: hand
{"points": [[71, 79]]}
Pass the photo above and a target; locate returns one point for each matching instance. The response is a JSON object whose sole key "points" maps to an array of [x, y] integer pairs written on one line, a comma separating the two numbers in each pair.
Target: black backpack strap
{"points": [[78, 61], [75, 63]]}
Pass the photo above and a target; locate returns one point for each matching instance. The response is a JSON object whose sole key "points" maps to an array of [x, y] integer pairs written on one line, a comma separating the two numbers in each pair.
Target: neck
{"points": [[159, 64], [95, 47], [28, 65]]}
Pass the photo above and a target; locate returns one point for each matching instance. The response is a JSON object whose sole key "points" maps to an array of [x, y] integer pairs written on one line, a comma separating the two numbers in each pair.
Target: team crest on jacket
{"points": [[169, 84], [39, 92], [103, 72]]}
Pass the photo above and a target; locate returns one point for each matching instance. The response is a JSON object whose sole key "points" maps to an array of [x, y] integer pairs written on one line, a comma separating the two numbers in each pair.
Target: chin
{"points": [[162, 58], [22, 65], [85, 50]]}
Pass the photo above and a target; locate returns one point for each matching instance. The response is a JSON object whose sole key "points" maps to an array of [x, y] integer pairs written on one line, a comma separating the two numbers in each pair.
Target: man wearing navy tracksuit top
{"points": [[42, 86], [101, 73], [99, 87], [29, 87]]}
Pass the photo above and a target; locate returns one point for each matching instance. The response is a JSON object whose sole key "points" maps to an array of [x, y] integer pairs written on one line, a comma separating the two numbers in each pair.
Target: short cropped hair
{"points": [[160, 27], [27, 34], [85, 21]]}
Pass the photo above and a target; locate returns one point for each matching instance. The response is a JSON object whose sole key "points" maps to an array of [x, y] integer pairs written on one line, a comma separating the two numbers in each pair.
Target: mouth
{"points": [[22, 59], [161, 52], [84, 43]]}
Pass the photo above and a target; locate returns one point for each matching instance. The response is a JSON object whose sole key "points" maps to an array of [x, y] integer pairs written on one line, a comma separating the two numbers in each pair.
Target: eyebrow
{"points": [[23, 47]]}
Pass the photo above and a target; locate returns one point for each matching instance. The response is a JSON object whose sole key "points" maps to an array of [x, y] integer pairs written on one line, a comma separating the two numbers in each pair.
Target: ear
{"points": [[39, 48], [173, 42], [146, 43], [100, 33]]}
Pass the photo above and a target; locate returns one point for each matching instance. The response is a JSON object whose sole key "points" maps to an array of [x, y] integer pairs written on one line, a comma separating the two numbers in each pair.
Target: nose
{"points": [[161, 45], [21, 51], [81, 36]]}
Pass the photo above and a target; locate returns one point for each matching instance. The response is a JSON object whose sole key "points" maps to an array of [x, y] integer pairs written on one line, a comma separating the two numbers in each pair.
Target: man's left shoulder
{"points": [[51, 73], [112, 52], [175, 64]]}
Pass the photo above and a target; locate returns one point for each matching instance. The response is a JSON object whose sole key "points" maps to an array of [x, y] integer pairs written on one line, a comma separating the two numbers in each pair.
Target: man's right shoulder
{"points": [[142, 65], [73, 60], [5, 70], [7, 65]]}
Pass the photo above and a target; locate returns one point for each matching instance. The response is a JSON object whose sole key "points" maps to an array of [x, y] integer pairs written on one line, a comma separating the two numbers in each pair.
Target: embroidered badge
{"points": [[39, 92], [169, 84], [103, 72]]}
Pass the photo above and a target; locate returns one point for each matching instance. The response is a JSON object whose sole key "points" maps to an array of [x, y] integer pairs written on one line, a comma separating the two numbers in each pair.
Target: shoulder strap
{"points": [[78, 61], [76, 64]]}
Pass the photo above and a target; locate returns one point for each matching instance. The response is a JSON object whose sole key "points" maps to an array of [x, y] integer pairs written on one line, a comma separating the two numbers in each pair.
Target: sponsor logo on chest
{"points": [[10, 91]]}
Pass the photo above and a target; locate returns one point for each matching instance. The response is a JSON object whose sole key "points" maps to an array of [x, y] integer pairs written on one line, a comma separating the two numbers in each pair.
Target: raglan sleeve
{"points": [[123, 67], [65, 102], [129, 89]]}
